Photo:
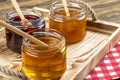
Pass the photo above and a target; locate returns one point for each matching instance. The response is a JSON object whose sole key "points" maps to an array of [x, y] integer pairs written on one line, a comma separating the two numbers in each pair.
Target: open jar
{"points": [[13, 40], [44, 63], [73, 27]]}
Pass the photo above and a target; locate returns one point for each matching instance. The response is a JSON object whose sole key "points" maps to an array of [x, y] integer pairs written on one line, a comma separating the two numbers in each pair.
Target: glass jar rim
{"points": [[58, 4], [26, 42], [13, 13]]}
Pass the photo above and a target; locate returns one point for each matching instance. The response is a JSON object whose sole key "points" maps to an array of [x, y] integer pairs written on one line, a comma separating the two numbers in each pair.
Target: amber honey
{"points": [[73, 27], [44, 63]]}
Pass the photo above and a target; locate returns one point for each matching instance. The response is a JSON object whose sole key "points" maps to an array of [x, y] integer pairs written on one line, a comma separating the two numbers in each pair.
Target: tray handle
{"points": [[94, 16]]}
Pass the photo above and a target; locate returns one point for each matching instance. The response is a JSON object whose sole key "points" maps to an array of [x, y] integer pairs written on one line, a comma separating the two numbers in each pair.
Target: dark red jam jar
{"points": [[13, 40]]}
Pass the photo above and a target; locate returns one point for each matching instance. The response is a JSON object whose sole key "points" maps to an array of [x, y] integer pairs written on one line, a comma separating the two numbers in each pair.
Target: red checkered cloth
{"points": [[109, 67]]}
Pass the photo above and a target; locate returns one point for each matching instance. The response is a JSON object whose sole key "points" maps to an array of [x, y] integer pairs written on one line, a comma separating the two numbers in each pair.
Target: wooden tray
{"points": [[82, 57]]}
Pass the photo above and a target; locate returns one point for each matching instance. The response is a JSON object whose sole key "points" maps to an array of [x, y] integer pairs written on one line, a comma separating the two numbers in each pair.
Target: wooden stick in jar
{"points": [[24, 21], [15, 4], [20, 32], [64, 2]]}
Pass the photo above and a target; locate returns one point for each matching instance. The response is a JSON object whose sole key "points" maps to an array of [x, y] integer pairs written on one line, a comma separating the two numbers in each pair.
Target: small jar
{"points": [[44, 63], [13, 40], [73, 27]]}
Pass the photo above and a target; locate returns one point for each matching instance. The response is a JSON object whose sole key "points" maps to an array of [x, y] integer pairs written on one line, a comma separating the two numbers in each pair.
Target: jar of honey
{"points": [[73, 27], [44, 63]]}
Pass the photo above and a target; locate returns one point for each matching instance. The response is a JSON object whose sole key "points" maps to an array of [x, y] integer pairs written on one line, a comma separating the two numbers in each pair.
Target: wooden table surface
{"points": [[108, 10]]}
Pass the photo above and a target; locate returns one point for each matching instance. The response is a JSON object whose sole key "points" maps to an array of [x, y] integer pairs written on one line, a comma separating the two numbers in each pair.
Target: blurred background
{"points": [[104, 8], [108, 10]]}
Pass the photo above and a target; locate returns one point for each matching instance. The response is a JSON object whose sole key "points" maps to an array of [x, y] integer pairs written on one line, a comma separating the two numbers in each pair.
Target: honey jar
{"points": [[44, 63], [73, 27]]}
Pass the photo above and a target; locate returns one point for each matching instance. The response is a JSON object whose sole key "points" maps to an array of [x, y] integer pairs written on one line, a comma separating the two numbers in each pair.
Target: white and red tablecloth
{"points": [[109, 67]]}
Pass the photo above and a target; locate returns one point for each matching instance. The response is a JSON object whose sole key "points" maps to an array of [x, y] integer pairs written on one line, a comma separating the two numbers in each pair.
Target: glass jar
{"points": [[13, 40], [44, 63], [73, 27]]}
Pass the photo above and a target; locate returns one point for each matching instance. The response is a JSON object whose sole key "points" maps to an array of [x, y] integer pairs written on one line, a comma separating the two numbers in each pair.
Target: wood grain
{"points": [[107, 10]]}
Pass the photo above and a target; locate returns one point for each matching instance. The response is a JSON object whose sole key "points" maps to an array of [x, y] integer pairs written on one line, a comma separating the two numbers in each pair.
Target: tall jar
{"points": [[13, 40], [73, 27]]}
